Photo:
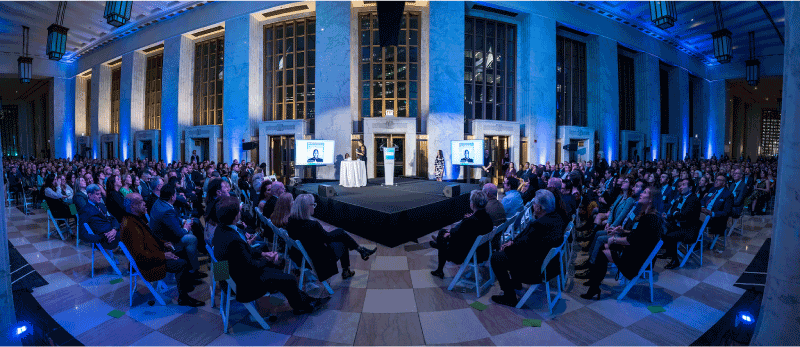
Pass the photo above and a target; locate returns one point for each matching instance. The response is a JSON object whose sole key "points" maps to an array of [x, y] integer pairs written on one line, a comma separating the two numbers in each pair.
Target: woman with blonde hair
{"points": [[324, 248]]}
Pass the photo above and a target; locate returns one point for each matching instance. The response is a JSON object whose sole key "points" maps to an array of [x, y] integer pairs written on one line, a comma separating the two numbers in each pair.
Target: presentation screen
{"points": [[469, 152], [313, 152]]}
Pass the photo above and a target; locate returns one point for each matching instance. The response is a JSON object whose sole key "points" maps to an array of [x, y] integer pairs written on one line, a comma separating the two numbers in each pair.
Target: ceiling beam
{"points": [[772, 21]]}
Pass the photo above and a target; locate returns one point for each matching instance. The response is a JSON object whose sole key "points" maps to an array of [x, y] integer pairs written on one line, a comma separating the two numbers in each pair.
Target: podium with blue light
{"points": [[388, 164]]}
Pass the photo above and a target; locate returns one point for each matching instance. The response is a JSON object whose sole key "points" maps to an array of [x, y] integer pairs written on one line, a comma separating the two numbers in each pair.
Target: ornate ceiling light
{"points": [[663, 14], [25, 61], [118, 13], [752, 64], [721, 37], [57, 35]]}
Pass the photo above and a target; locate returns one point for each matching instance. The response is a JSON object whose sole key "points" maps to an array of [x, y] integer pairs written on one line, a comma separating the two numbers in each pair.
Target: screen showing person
{"points": [[314, 152], [466, 152]]}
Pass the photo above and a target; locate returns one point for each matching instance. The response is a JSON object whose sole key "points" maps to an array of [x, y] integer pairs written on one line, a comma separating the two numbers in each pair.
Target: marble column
{"points": [[777, 322], [602, 102], [536, 63], [333, 113], [648, 107], [236, 124], [7, 315], [80, 107], [714, 119], [131, 101], [62, 94], [446, 115], [176, 95], [679, 109], [101, 106]]}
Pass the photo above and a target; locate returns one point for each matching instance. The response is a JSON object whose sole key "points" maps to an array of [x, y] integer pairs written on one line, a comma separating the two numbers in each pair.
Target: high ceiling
{"points": [[696, 21], [87, 27]]}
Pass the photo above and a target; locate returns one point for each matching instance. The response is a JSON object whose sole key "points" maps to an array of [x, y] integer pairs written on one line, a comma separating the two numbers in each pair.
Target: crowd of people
{"points": [[166, 214]]}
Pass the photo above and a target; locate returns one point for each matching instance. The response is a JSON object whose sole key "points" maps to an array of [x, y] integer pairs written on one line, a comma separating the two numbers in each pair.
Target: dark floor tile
{"points": [[481, 342], [584, 326], [389, 329], [500, 319], [45, 268], [664, 330], [733, 268], [302, 341], [713, 296], [62, 299], [438, 299], [195, 328], [347, 299], [422, 262], [120, 331], [25, 249]]}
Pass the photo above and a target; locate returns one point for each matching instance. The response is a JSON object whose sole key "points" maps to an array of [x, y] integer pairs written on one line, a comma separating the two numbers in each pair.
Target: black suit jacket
{"points": [[739, 193], [269, 206], [530, 247], [463, 235], [98, 219], [684, 216], [80, 200], [165, 223], [245, 263], [115, 204], [721, 210], [316, 242]]}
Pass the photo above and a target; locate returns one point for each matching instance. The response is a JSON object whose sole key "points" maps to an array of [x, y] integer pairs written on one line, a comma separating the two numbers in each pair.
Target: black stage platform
{"points": [[390, 215]]}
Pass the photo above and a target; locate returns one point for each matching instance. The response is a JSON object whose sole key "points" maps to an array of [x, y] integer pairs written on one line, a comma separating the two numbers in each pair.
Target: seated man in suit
{"points": [[103, 225], [466, 158], [166, 225], [454, 245], [494, 208], [254, 272], [718, 204], [683, 220], [154, 257], [155, 184], [520, 260], [739, 190]]}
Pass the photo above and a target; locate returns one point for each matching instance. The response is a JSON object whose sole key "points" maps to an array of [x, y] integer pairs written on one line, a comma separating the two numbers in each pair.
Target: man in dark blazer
{"points": [[104, 226], [683, 220], [154, 257], [739, 191], [718, 204], [254, 272], [522, 257], [166, 225], [80, 199], [667, 193], [454, 245]]}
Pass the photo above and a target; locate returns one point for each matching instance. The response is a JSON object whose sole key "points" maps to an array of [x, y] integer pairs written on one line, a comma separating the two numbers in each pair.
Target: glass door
{"points": [[281, 157], [399, 159], [498, 148]]}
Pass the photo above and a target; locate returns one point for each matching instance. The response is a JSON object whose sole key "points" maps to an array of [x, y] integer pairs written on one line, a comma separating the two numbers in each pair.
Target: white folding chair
{"points": [[268, 224], [225, 297], [724, 236], [290, 243], [471, 261], [690, 250], [646, 270], [54, 221], [108, 255], [551, 301], [566, 256], [134, 272]]}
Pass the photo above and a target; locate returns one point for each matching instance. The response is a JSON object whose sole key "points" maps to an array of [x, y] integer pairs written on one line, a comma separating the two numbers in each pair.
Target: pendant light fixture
{"points": [[25, 62], [721, 37], [752, 64], [663, 14], [118, 13], [57, 35]]}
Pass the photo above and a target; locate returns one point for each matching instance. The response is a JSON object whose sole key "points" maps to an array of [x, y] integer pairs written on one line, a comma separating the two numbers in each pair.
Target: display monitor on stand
{"points": [[314, 153], [467, 154]]}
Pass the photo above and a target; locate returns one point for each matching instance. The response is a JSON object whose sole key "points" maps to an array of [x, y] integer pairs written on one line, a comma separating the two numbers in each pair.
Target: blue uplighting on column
{"points": [[167, 134], [685, 135]]}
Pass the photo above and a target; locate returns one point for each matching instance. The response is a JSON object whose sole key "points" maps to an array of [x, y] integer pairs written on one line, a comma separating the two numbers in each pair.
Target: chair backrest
{"points": [[87, 228], [210, 250], [705, 223], [650, 258], [128, 255], [550, 255]]}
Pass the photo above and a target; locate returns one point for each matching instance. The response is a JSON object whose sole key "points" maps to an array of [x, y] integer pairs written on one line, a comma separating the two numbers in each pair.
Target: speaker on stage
{"points": [[326, 191], [452, 190]]}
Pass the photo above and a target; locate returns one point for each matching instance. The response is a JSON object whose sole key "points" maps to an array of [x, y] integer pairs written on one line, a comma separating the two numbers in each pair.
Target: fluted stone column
{"points": [[648, 107], [242, 105], [333, 112], [715, 119], [603, 93], [176, 95], [536, 95], [131, 101], [679, 109], [778, 322], [80, 107], [101, 106], [447, 87], [62, 94]]}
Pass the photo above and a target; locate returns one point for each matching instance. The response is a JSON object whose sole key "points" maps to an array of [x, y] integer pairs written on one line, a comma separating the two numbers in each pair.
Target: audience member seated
{"points": [[494, 208], [55, 198], [255, 273], [155, 184], [512, 200], [454, 245], [114, 198], [166, 225], [217, 189], [154, 257], [104, 226], [630, 252], [264, 193], [520, 260], [80, 198], [683, 222], [324, 248], [276, 189], [718, 204], [570, 203]]}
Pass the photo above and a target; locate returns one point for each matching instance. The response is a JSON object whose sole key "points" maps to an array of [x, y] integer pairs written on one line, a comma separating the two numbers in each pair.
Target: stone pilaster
{"points": [[602, 79]]}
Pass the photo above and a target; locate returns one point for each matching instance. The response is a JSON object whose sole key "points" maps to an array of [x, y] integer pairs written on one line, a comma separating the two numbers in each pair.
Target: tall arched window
{"points": [[152, 92], [570, 82]]}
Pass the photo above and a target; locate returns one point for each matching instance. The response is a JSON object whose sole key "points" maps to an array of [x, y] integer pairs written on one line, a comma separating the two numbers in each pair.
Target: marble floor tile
{"points": [[438, 299], [693, 313], [712, 296], [451, 326], [59, 252], [120, 331], [18, 241], [359, 280], [624, 337], [673, 281], [624, 313], [742, 257], [693, 271], [528, 336], [584, 326], [500, 319], [389, 280], [45, 268], [330, 325], [34, 258], [84, 317], [664, 330], [389, 329], [157, 339], [423, 279], [725, 281], [194, 328], [60, 300], [733, 267], [303, 341], [390, 263], [156, 316], [55, 281], [422, 262], [25, 249], [389, 301], [52, 243], [538, 303], [245, 335], [387, 251], [348, 299]]}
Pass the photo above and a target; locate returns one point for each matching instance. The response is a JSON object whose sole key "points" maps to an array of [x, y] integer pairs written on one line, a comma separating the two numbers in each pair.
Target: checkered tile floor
{"points": [[392, 300]]}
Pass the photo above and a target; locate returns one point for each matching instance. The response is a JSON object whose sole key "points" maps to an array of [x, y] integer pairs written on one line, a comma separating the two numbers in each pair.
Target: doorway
{"points": [[108, 150], [670, 150], [202, 148], [281, 157], [397, 140], [633, 153], [147, 150], [498, 152]]}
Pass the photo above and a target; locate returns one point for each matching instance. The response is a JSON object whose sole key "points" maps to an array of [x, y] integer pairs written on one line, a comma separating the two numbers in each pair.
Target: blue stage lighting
{"points": [[21, 330], [745, 318]]}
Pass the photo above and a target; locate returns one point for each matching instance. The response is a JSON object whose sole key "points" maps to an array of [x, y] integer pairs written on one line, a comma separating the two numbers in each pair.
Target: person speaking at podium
{"points": [[466, 158], [315, 157]]}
